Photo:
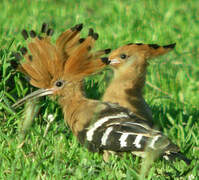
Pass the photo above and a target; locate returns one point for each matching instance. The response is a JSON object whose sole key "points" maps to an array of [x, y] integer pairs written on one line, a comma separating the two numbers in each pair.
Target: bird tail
{"points": [[178, 155]]}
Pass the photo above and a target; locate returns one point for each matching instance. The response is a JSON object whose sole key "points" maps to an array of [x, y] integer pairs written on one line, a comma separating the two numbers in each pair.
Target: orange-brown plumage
{"points": [[47, 62], [91, 121], [68, 41], [130, 67], [48, 66]]}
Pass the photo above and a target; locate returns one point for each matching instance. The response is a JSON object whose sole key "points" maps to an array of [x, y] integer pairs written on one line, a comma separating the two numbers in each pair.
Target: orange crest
{"points": [[70, 56]]}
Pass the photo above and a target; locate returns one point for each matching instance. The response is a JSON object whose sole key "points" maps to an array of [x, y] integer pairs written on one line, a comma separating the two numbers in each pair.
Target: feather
{"points": [[99, 125], [67, 40], [45, 61], [88, 63], [130, 64]]}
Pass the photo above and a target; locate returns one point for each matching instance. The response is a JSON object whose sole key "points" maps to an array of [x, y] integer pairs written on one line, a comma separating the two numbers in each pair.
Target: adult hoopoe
{"points": [[130, 67], [98, 125]]}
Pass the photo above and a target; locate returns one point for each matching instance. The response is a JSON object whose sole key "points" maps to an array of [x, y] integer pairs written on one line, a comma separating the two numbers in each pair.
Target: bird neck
{"points": [[77, 109], [126, 89], [130, 82]]}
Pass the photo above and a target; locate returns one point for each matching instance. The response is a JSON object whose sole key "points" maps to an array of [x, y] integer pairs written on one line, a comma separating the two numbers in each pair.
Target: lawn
{"points": [[40, 149]]}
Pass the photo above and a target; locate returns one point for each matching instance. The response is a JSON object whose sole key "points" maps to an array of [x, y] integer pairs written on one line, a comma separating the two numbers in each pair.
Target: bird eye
{"points": [[59, 83], [123, 56]]}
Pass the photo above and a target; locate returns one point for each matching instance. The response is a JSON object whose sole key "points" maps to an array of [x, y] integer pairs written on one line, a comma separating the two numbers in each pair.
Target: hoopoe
{"points": [[130, 67], [100, 126]]}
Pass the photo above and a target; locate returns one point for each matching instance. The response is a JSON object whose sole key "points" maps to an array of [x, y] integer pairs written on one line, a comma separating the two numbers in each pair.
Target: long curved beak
{"points": [[33, 95]]}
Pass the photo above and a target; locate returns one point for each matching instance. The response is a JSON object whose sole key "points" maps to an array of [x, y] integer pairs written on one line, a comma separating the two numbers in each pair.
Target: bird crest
{"points": [[138, 51], [70, 58], [71, 55]]}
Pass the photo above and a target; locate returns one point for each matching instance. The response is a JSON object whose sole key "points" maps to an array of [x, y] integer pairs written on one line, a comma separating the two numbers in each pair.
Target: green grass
{"points": [[58, 155]]}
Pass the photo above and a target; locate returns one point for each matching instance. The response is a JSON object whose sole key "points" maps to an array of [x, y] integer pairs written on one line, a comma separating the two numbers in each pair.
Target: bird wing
{"points": [[117, 129]]}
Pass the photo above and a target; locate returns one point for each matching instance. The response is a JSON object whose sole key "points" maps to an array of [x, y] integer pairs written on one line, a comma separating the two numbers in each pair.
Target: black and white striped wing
{"points": [[119, 130], [124, 136]]}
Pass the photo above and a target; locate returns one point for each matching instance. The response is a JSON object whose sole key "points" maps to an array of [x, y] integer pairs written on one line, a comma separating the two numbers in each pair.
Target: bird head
{"points": [[131, 51], [53, 68]]}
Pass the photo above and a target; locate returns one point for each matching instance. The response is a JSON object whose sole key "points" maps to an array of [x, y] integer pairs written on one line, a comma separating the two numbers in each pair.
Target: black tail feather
{"points": [[174, 155]]}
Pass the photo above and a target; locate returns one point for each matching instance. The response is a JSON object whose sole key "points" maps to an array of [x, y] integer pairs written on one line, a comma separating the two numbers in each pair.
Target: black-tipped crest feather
{"points": [[24, 34], [95, 36], [90, 32], [23, 50], [44, 28], [170, 46], [50, 32], [107, 51], [33, 34]]}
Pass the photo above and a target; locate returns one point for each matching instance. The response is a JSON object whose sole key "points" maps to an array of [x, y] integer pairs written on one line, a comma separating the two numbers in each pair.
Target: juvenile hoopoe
{"points": [[130, 67], [98, 125]]}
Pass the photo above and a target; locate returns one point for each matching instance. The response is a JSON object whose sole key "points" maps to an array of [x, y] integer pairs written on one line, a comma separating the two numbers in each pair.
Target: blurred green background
{"points": [[171, 90]]}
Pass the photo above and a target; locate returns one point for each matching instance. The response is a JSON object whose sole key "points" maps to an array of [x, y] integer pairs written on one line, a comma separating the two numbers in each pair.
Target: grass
{"points": [[58, 155]]}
